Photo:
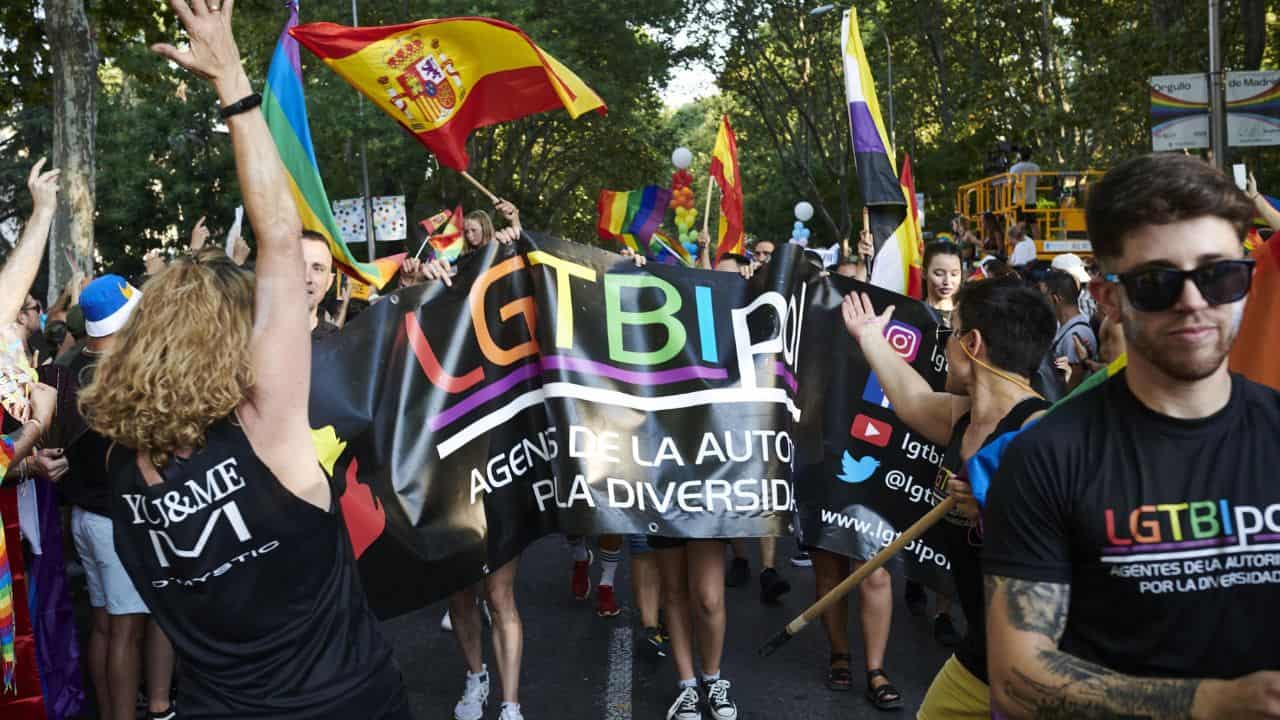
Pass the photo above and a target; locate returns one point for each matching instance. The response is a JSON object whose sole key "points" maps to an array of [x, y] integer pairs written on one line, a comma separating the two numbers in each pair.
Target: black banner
{"points": [[555, 387], [873, 476]]}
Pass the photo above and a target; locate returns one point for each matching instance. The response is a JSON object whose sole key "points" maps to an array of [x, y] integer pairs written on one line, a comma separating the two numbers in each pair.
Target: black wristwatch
{"points": [[243, 105]]}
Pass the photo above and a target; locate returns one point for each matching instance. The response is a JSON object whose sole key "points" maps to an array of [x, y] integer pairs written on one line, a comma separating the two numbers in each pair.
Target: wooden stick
{"points": [[706, 212], [492, 198], [866, 227], [848, 584]]}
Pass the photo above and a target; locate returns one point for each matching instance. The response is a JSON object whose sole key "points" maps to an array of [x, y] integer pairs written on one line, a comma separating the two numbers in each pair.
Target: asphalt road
{"points": [[579, 666]]}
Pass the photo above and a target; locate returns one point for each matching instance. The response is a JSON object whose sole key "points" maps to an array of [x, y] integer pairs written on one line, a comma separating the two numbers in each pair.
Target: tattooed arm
{"points": [[1031, 677]]}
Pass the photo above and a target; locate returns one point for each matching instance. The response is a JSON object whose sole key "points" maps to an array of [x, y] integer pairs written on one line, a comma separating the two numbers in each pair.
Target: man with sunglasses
{"points": [[1132, 564]]}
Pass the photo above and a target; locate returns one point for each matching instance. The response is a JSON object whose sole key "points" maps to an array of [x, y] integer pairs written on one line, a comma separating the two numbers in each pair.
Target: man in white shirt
{"points": [[1021, 168]]}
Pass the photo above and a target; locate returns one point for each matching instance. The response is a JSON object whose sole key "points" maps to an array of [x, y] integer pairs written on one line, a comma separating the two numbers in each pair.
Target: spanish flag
{"points": [[730, 237], [285, 109], [442, 79]]}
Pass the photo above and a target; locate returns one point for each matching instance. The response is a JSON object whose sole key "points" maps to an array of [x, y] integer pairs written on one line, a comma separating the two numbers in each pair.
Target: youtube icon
{"points": [[872, 431]]}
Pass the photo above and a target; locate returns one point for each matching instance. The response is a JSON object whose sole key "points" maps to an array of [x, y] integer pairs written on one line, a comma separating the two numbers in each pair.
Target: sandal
{"points": [[839, 679], [884, 697]]}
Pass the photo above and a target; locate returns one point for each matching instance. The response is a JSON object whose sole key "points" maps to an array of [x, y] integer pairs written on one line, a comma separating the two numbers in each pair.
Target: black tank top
{"points": [[256, 588], [964, 541]]}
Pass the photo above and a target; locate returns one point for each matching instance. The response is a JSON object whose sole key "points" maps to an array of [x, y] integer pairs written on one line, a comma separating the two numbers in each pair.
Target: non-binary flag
{"points": [[731, 235], [442, 79], [285, 109], [878, 181], [631, 216]]}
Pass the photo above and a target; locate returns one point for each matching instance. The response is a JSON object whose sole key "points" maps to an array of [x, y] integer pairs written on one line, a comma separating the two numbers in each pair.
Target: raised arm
{"points": [[1032, 678], [283, 375], [19, 271], [932, 414], [1265, 209]]}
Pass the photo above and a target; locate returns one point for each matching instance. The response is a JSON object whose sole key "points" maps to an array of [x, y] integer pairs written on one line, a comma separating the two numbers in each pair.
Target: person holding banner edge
{"points": [[247, 565], [1001, 330]]}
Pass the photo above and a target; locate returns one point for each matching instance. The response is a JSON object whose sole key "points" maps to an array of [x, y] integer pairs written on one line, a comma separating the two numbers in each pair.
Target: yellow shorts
{"points": [[956, 694]]}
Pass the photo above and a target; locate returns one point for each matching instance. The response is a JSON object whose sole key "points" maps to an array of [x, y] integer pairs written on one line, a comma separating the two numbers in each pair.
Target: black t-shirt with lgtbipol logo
{"points": [[1167, 530]]}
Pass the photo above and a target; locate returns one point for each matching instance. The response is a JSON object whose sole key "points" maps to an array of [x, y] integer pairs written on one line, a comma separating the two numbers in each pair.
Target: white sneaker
{"points": [[686, 706], [474, 697], [719, 705], [510, 713], [446, 622]]}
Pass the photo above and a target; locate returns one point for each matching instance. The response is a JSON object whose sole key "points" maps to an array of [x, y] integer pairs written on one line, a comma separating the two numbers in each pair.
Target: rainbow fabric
{"points": [[444, 230], [285, 109], [668, 246], [633, 216], [730, 234], [442, 79], [8, 661], [982, 467]]}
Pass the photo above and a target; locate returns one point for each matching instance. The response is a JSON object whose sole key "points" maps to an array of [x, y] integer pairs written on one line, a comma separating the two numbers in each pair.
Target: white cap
{"points": [[1071, 264]]}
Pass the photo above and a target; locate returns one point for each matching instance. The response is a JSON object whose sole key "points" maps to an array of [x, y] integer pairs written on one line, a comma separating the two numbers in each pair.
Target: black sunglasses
{"points": [[1158, 289]]}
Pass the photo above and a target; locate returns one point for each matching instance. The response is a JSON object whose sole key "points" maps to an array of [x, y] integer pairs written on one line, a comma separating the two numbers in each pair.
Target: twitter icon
{"points": [[855, 471]]}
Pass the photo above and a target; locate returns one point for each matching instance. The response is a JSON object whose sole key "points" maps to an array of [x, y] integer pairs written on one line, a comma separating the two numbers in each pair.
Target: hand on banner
{"points": [[860, 317], [508, 235], [437, 269], [746, 271], [199, 234], [43, 187], [963, 493], [211, 52], [411, 272], [511, 213], [639, 260]]}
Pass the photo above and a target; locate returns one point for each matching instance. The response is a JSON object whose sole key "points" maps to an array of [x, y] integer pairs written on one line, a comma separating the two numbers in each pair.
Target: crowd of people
{"points": [[156, 404]]}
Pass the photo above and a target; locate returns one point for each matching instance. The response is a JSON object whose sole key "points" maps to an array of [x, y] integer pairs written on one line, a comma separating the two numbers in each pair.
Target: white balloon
{"points": [[804, 211], [682, 158]]}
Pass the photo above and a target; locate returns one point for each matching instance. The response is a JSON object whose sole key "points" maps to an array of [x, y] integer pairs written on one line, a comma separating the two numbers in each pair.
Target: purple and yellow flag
{"points": [[285, 109]]}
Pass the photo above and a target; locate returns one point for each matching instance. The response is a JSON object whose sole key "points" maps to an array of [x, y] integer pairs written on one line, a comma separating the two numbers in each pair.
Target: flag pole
{"points": [[492, 198], [866, 227], [364, 160], [706, 212], [838, 593]]}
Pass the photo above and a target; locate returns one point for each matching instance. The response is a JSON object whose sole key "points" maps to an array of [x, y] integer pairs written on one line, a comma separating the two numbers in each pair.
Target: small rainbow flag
{"points": [[632, 216], [444, 231], [668, 246], [285, 108]]}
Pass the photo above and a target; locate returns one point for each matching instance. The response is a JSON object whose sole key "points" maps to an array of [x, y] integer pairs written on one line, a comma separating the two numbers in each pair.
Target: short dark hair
{"points": [[939, 247], [1160, 189], [1016, 322], [315, 236], [1060, 283]]}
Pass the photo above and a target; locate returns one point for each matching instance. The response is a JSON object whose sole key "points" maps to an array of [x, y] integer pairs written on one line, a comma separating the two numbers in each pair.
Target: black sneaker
{"points": [[657, 639], [917, 601], [772, 586], [944, 631], [739, 573], [719, 706], [686, 706], [802, 560]]}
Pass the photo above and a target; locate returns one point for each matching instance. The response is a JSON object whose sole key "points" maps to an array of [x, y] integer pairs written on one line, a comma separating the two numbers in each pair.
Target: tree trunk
{"points": [[75, 121]]}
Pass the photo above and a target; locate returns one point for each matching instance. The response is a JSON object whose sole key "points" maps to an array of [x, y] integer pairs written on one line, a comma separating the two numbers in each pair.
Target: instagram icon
{"points": [[904, 339]]}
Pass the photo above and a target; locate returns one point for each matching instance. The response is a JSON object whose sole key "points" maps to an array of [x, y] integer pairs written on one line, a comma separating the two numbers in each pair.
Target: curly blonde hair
{"points": [[180, 363]]}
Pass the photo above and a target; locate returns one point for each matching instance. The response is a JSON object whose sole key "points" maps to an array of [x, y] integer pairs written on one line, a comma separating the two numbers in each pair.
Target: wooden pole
{"points": [[492, 198], [866, 227], [838, 593], [706, 212]]}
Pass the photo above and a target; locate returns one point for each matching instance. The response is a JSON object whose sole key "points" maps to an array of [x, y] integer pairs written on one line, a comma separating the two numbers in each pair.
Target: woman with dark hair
{"points": [[942, 278], [222, 516]]}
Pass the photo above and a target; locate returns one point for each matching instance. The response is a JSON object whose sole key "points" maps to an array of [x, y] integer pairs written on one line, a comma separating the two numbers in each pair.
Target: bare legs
{"points": [[159, 668], [508, 631], [875, 608], [124, 664], [693, 595]]}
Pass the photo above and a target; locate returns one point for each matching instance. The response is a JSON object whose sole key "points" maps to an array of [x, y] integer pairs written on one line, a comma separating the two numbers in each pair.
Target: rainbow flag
{"points": [[8, 659], [444, 234], [1253, 354], [982, 467], [670, 247], [442, 79], [632, 216], [285, 109], [730, 235]]}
